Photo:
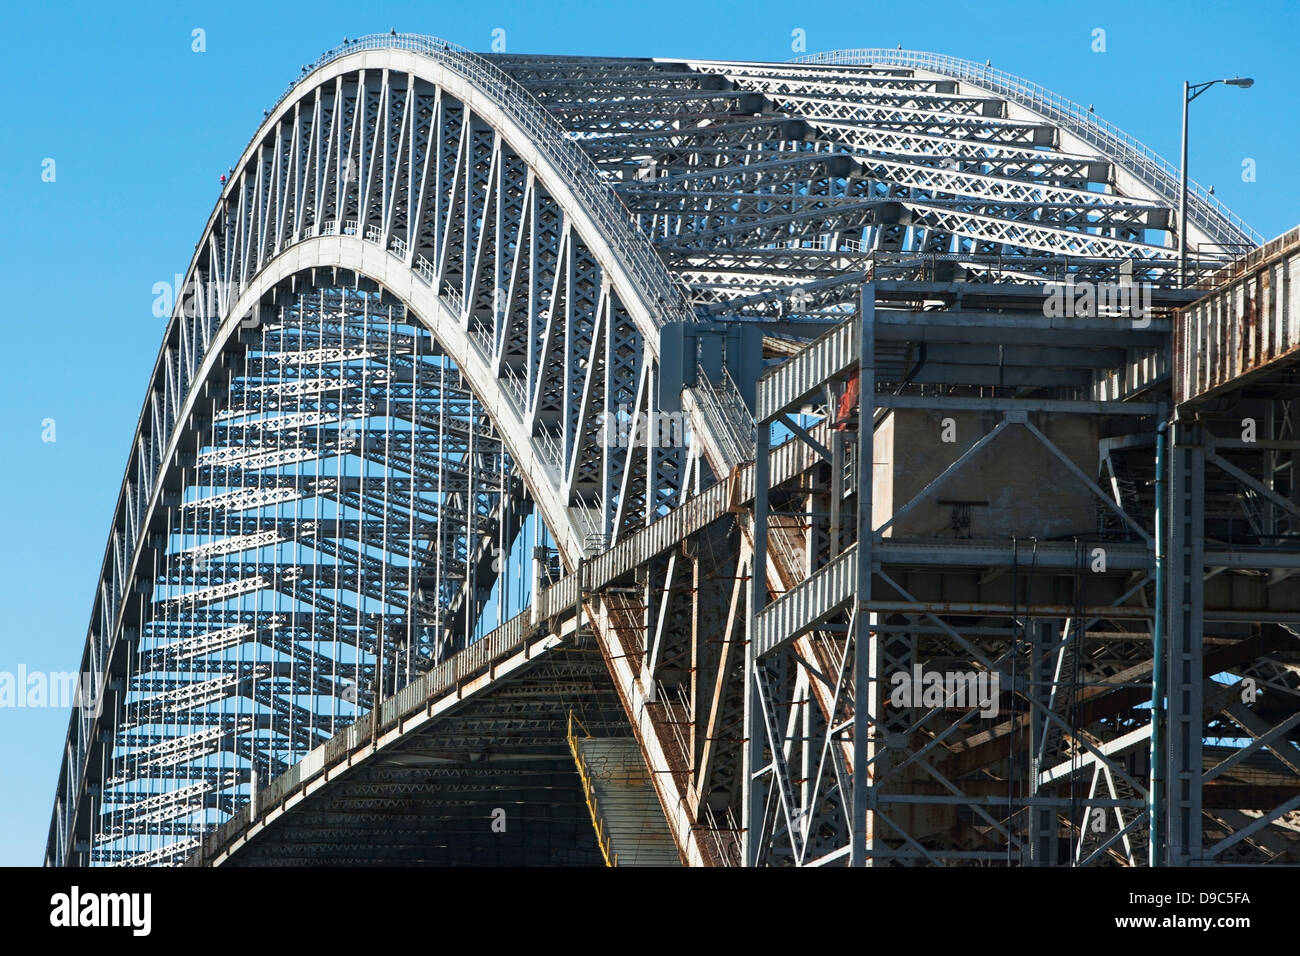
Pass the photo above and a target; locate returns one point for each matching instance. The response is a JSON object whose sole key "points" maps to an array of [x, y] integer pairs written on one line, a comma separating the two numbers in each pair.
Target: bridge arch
{"points": [[433, 177], [477, 201]]}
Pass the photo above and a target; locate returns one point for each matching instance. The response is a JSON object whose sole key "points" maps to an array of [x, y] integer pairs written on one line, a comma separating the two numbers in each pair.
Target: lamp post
{"points": [[1190, 92], [1155, 793]]}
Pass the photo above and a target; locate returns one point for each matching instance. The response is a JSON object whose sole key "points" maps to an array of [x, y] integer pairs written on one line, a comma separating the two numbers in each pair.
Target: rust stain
{"points": [[1231, 333]]}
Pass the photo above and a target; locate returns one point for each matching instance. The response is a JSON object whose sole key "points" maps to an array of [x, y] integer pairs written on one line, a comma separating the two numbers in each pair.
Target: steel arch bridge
{"points": [[408, 531]]}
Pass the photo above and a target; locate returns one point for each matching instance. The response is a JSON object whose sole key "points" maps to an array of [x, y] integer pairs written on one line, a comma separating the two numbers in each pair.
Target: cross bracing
{"points": [[375, 458]]}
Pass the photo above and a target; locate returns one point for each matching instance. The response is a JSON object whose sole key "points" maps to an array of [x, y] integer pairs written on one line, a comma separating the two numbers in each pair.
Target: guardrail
{"points": [[1252, 259], [729, 420], [1221, 223]]}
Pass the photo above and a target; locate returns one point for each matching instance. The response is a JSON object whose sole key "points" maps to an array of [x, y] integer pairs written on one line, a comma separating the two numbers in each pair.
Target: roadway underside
{"points": [[491, 782]]}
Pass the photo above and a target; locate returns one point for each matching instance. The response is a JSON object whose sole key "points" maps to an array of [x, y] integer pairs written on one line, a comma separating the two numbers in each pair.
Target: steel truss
{"points": [[374, 515], [1061, 773]]}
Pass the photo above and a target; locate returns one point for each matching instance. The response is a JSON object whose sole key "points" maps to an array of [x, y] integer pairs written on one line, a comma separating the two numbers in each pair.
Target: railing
{"points": [[733, 423], [724, 835], [1248, 262], [589, 790], [941, 267], [482, 340], [676, 698], [456, 300], [554, 456], [665, 295], [1211, 215]]}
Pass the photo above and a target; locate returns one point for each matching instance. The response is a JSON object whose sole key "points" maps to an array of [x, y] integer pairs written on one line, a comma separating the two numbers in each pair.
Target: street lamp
{"points": [[1155, 793], [1190, 92]]}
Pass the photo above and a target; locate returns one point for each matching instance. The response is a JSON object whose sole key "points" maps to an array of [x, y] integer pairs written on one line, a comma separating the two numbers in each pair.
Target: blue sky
{"points": [[140, 127]]}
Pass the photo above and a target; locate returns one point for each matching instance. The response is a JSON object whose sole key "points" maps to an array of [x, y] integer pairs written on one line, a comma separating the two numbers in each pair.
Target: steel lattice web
{"points": [[426, 289], [316, 559]]}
